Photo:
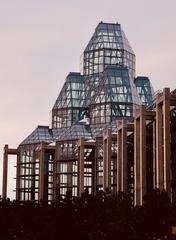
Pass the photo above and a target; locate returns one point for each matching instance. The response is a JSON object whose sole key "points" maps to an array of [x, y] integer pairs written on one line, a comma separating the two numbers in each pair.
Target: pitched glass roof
{"points": [[68, 108], [98, 132], [76, 131], [40, 134], [72, 93], [145, 90], [111, 96], [106, 91], [109, 35], [114, 86], [57, 132], [108, 46]]}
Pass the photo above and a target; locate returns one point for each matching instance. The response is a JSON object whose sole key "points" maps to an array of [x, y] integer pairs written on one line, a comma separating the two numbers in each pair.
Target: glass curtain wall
{"points": [[108, 46], [66, 168], [113, 98], [68, 108], [145, 90]]}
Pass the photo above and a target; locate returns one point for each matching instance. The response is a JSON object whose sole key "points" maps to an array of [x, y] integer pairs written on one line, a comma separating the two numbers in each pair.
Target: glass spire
{"points": [[108, 46]]}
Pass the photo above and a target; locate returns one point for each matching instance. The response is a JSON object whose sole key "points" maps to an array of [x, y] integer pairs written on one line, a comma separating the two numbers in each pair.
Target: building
{"points": [[109, 131]]}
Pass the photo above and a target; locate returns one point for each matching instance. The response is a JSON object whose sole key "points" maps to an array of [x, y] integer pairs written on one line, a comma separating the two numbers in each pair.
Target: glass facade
{"points": [[88, 104], [108, 46], [68, 108], [107, 90], [29, 165], [144, 89], [66, 168], [114, 97], [40, 134]]}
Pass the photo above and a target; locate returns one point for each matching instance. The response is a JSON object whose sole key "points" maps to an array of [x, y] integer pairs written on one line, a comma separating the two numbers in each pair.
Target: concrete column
{"points": [[119, 160], [17, 176], [5, 172], [142, 137], [159, 148], [95, 170], [107, 160], [166, 141], [154, 154], [56, 177], [124, 156], [42, 172], [33, 177], [137, 162], [81, 167]]}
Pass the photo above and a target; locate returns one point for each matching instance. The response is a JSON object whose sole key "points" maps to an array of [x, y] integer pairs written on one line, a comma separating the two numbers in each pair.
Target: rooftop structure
{"points": [[80, 148], [106, 91]]}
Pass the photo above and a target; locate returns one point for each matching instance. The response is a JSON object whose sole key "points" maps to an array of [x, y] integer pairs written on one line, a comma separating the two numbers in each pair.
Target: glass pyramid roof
{"points": [[39, 135], [109, 35], [107, 91], [114, 86], [108, 46], [72, 92], [144, 89], [76, 131]]}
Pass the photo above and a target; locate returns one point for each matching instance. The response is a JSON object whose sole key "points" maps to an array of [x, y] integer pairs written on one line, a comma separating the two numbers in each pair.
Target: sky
{"points": [[41, 41]]}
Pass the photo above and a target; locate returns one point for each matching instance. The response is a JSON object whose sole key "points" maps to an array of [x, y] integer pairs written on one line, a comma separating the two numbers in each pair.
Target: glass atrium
{"points": [[88, 104]]}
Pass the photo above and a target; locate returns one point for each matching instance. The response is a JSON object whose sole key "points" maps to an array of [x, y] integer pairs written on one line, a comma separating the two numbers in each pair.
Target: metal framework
{"points": [[173, 153], [35, 166], [145, 90], [68, 108], [108, 46], [87, 146]]}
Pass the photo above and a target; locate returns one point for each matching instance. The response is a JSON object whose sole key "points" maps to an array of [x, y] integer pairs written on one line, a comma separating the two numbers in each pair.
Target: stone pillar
{"points": [[95, 170], [5, 172], [17, 176], [159, 148], [56, 171], [107, 160], [154, 154], [42, 172], [81, 167], [119, 160], [137, 162], [33, 177], [124, 156], [166, 141], [142, 137]]}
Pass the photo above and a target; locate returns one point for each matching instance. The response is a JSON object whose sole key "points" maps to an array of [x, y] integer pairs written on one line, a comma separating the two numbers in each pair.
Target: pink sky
{"points": [[42, 40]]}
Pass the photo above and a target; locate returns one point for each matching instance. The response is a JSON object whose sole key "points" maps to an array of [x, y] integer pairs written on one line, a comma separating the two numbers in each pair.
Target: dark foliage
{"points": [[102, 217]]}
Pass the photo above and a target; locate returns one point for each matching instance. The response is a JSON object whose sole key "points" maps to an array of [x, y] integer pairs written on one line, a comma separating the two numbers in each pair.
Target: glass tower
{"points": [[107, 90], [68, 108], [108, 46], [88, 104], [109, 70], [144, 89]]}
